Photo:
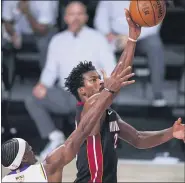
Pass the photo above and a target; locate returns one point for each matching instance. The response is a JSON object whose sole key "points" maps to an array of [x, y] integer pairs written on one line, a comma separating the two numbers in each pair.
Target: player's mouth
{"points": [[101, 88]]}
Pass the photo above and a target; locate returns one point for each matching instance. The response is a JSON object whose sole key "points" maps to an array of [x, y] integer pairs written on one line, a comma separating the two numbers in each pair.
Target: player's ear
{"points": [[24, 159], [26, 156], [81, 91]]}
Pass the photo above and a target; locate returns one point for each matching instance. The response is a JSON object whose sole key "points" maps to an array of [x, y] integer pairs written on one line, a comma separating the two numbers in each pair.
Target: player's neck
{"points": [[23, 166], [83, 99], [80, 103]]}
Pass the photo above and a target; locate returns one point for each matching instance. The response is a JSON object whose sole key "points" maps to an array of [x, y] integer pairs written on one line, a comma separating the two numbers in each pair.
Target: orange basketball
{"points": [[147, 13]]}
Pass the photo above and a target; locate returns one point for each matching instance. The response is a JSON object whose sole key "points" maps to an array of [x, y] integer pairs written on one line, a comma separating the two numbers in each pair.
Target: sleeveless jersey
{"points": [[32, 173], [97, 158]]}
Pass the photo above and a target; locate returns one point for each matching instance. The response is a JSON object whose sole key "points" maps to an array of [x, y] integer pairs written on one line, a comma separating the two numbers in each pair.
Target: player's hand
{"points": [[134, 29], [118, 79], [39, 91], [179, 130]]}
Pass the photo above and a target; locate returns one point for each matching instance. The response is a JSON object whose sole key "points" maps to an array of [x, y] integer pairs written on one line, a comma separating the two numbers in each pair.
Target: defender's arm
{"points": [[65, 153]]}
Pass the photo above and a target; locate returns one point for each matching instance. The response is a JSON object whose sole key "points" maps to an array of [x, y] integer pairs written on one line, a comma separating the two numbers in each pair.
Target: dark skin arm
{"points": [[92, 112], [55, 162], [127, 55], [134, 32], [149, 139], [141, 139]]}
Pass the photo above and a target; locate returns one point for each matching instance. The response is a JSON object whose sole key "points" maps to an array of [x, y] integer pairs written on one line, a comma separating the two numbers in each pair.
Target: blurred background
{"points": [[33, 32]]}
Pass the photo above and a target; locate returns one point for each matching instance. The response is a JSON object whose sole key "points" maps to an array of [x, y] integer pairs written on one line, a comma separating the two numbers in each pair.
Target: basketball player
{"points": [[97, 158], [17, 154]]}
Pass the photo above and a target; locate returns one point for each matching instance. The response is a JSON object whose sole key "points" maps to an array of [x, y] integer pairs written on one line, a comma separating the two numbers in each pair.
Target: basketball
{"points": [[147, 13]]}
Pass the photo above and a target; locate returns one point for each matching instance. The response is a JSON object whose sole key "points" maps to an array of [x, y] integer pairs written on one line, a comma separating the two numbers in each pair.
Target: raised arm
{"points": [[94, 110], [88, 121], [128, 53], [67, 152]]}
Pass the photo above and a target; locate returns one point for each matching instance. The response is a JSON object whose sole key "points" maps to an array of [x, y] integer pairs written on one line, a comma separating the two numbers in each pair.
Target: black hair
{"points": [[75, 79], [9, 150]]}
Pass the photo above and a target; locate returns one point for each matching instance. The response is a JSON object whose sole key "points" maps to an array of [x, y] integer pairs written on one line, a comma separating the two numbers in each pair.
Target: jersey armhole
{"points": [[43, 171]]}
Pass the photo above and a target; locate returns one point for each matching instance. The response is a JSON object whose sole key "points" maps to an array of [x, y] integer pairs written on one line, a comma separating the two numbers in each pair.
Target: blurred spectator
{"points": [[77, 43], [175, 3], [179, 3], [110, 20], [90, 6], [30, 21]]}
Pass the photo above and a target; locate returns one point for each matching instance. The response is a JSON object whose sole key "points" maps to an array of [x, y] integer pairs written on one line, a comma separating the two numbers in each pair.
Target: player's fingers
{"points": [[104, 74], [125, 71], [125, 83], [118, 69], [125, 78], [127, 13], [128, 17], [179, 121]]}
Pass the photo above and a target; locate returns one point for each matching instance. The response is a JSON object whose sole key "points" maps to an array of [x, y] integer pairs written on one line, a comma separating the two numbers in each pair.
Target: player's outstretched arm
{"points": [[88, 121], [128, 53], [64, 154], [149, 139], [94, 111]]}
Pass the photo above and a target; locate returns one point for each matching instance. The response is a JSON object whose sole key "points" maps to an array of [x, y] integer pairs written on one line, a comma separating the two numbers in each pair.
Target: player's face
{"points": [[92, 83], [75, 17], [29, 155]]}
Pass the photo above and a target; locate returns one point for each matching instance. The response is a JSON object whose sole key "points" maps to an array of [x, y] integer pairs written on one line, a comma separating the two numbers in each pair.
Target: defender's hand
{"points": [[118, 79]]}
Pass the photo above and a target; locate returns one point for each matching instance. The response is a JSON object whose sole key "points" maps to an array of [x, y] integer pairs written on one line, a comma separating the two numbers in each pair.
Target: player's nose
{"points": [[102, 85], [101, 82]]}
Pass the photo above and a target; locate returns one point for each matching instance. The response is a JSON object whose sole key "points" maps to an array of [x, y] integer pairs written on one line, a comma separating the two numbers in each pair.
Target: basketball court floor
{"points": [[136, 171]]}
